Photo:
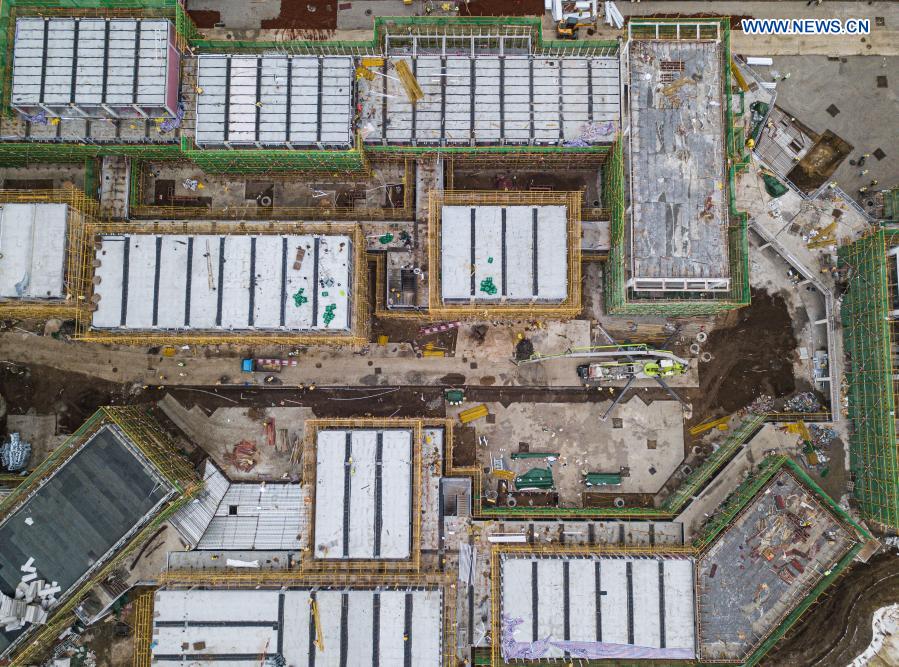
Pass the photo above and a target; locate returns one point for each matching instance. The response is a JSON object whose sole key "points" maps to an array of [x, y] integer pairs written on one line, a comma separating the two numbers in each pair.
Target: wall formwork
{"points": [[869, 329]]}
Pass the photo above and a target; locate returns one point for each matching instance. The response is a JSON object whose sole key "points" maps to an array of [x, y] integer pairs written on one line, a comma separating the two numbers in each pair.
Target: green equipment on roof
{"points": [[535, 478], [602, 478]]}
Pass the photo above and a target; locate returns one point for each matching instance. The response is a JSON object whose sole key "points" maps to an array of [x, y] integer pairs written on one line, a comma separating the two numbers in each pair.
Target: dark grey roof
{"points": [[90, 503]]}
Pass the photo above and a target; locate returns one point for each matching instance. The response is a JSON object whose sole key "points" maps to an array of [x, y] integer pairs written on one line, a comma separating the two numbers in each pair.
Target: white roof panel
{"points": [[273, 100], [359, 490], [59, 61], [636, 597], [239, 623], [504, 253], [33, 250], [231, 282]]}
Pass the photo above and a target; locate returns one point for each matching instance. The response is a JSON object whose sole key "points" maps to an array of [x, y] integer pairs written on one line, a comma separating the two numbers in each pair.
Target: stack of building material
{"points": [[33, 599]]}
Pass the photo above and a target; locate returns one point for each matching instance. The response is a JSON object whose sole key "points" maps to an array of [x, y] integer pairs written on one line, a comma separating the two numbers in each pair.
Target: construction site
{"points": [[414, 335]]}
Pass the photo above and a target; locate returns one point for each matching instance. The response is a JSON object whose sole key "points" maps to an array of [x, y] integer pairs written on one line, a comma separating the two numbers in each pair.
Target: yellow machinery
{"points": [[477, 412], [568, 27], [319, 635], [363, 71], [824, 237], [738, 77], [410, 83], [720, 424]]}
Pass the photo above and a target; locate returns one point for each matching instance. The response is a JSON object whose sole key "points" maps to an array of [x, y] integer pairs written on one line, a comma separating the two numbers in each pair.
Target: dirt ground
{"points": [[305, 15], [752, 350], [71, 396], [568, 181], [502, 8], [204, 18], [838, 628]]}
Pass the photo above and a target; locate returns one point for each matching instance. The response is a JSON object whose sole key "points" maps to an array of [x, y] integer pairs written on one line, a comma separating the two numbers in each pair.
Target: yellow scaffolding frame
{"points": [[309, 460], [83, 254], [568, 308], [81, 209], [142, 627]]}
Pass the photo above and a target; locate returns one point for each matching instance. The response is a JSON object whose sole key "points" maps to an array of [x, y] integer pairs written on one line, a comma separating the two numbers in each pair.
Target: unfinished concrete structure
{"points": [[679, 213], [93, 67], [324, 625], [274, 100], [768, 560]]}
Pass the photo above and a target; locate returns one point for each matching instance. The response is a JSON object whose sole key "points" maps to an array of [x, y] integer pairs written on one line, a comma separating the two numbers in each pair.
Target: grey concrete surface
{"points": [[867, 116]]}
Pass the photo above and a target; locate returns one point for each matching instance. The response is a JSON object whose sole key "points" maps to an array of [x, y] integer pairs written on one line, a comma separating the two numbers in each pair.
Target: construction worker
{"points": [[863, 189], [874, 182]]}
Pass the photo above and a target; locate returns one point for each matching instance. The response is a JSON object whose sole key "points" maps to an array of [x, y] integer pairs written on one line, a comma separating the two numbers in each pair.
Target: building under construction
{"points": [[99, 494], [38, 276], [727, 598], [679, 247], [870, 311], [211, 281]]}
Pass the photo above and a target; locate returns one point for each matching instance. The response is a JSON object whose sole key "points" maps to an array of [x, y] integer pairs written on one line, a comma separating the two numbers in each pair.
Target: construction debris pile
{"points": [[761, 405], [33, 598], [804, 402], [243, 456], [14, 455]]}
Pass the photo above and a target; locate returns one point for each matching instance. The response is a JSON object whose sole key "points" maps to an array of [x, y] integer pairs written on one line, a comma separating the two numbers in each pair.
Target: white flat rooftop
{"points": [[91, 62], [597, 608], [504, 253], [242, 627], [363, 494], [33, 250], [516, 99], [275, 100], [262, 282]]}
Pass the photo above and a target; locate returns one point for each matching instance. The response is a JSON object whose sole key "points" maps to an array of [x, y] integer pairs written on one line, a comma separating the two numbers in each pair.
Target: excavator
{"points": [[568, 27], [571, 15]]}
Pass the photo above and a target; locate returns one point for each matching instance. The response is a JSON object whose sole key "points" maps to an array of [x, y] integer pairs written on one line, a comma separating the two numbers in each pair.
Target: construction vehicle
{"points": [[568, 27], [265, 365], [611, 371]]}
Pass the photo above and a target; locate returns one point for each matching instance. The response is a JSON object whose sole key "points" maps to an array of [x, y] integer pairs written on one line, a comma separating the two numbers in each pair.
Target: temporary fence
{"points": [[869, 328]]}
